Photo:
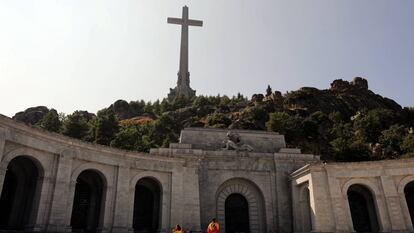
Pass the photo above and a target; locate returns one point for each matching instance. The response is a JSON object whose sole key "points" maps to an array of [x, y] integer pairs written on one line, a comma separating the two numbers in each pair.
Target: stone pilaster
{"points": [[320, 201], [42, 200], [2, 176], [2, 142], [340, 208], [392, 200], [122, 203], [58, 220], [177, 197], [191, 199], [2, 147]]}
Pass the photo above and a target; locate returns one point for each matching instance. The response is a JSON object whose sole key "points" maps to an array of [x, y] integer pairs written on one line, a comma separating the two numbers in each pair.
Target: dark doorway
{"points": [[237, 214], [19, 195], [88, 202], [147, 206], [409, 197], [361, 203]]}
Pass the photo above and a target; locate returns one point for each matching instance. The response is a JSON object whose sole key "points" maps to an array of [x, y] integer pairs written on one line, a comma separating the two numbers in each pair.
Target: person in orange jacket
{"points": [[213, 227], [178, 229]]}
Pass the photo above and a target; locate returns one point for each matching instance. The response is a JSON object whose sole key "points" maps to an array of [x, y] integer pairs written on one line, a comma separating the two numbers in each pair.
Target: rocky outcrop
{"points": [[343, 96], [358, 83], [31, 115], [121, 109]]}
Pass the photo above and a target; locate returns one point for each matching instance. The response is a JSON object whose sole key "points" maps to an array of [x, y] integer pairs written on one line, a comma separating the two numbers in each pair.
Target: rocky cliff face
{"points": [[343, 96]]}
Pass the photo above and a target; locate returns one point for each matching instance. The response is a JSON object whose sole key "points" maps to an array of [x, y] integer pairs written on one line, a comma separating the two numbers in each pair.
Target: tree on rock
{"points": [[76, 125], [106, 126], [50, 121]]}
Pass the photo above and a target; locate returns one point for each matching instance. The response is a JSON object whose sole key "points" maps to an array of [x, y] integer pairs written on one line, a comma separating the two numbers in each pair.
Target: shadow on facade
{"points": [[237, 214], [20, 195], [88, 203], [147, 202], [363, 211]]}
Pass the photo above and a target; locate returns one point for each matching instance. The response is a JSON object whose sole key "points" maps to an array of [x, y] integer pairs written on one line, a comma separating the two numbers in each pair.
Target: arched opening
{"points": [[305, 209], [409, 197], [20, 195], [237, 214], [363, 211], [88, 203], [254, 205], [147, 202]]}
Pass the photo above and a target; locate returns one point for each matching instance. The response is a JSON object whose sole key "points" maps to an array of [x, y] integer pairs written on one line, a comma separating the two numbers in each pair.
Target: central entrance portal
{"points": [[147, 206], [237, 214]]}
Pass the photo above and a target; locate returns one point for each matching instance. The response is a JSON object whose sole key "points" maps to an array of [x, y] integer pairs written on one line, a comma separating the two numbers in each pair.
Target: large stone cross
{"points": [[183, 74]]}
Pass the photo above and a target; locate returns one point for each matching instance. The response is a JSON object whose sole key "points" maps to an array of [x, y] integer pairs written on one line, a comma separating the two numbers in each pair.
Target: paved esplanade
{"points": [[183, 83]]}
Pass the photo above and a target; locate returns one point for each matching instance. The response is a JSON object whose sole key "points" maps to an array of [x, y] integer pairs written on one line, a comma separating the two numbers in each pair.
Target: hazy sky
{"points": [[86, 54]]}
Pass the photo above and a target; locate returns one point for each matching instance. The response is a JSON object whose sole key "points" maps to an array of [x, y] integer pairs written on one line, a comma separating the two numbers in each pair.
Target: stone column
{"points": [[58, 220], [122, 201]]}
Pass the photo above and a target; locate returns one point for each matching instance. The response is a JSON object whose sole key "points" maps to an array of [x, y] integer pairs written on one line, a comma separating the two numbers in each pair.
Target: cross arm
{"points": [[174, 20], [193, 22]]}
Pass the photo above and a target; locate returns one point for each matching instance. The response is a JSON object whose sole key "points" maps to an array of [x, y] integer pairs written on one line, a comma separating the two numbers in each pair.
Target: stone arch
{"points": [[28, 153], [364, 213], [147, 174], [403, 183], [251, 192], [106, 193], [147, 205], [404, 190], [378, 203], [367, 183], [89, 201], [90, 166], [160, 180], [21, 191]]}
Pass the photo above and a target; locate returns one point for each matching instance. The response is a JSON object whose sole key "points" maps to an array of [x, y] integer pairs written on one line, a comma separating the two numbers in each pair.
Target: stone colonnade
{"points": [[53, 202], [193, 184], [338, 190], [59, 161]]}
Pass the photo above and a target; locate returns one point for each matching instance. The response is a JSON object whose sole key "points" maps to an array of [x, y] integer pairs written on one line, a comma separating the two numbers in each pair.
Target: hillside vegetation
{"points": [[347, 122]]}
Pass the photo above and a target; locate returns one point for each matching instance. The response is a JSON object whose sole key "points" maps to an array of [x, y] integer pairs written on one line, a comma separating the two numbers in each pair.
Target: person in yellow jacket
{"points": [[213, 227], [178, 229]]}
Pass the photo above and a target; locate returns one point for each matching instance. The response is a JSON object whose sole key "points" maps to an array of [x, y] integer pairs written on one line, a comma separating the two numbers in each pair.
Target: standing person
{"points": [[213, 227], [178, 229]]}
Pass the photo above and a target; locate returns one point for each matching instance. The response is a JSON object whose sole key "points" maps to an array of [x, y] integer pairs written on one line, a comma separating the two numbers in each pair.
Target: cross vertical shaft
{"points": [[183, 72], [183, 82]]}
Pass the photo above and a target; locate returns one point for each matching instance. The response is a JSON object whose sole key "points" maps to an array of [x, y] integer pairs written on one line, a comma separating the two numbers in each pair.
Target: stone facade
{"points": [[321, 195], [195, 178], [191, 182]]}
